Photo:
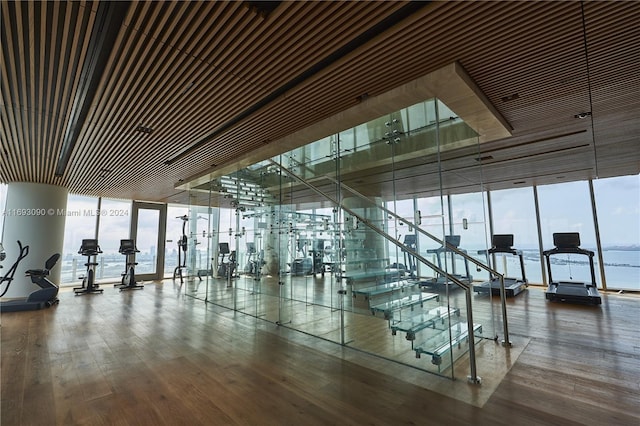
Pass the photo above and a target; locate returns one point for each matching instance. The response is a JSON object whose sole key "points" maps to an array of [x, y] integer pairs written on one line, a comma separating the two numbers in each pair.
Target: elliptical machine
{"points": [[46, 296], [182, 250], [89, 248], [129, 249]]}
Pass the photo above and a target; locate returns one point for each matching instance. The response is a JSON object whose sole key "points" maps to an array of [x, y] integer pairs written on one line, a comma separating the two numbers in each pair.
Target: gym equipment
{"points": [[44, 297], [302, 265], [409, 260], [571, 291], [317, 254], [503, 243], [182, 250], [226, 269], [129, 249], [89, 248], [253, 265], [442, 280]]}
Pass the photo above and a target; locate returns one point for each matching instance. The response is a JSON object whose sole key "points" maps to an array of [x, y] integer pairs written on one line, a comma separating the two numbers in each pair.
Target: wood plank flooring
{"points": [[156, 357]]}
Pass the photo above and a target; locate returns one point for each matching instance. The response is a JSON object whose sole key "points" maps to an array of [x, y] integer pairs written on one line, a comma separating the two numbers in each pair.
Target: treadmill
{"points": [[440, 252], [503, 243], [571, 291]]}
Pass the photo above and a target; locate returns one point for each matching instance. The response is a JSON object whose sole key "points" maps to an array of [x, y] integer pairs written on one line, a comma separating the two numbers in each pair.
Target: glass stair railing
{"points": [[452, 340], [448, 246], [359, 262]]}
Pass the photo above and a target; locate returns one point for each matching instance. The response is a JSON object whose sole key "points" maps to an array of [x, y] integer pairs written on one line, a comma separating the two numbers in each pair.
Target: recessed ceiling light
{"points": [[583, 115], [510, 97]]}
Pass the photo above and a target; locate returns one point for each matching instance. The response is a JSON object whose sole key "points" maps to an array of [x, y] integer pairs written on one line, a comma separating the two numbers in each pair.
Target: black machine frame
{"points": [[442, 280], [571, 291], [89, 248], [44, 297], [128, 249], [503, 243]]}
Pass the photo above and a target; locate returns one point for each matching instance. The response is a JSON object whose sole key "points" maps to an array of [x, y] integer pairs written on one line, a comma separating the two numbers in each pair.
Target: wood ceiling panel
{"points": [[185, 69]]}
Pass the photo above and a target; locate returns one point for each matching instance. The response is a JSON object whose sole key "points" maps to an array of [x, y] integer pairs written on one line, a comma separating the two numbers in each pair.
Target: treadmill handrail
{"points": [[572, 250], [493, 250], [568, 250], [509, 250]]}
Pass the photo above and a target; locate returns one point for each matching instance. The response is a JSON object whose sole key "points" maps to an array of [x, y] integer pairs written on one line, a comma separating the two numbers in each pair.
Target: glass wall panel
{"points": [[80, 224], [321, 232], [513, 212], [115, 217], [470, 223], [566, 207], [618, 208]]}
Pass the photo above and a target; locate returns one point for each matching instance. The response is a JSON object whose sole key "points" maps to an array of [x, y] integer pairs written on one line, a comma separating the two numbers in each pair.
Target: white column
{"points": [[35, 215]]}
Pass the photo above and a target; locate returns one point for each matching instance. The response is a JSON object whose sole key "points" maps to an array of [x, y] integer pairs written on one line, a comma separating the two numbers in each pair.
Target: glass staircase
{"points": [[435, 320]]}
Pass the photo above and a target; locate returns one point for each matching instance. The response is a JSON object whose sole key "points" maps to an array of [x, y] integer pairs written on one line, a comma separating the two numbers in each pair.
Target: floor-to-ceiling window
{"points": [[618, 208], [115, 218], [513, 212], [80, 224], [174, 234], [565, 208]]}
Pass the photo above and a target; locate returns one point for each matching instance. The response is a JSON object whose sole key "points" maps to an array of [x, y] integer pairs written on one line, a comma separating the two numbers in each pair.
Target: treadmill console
{"points": [[223, 248], [502, 241], [566, 240], [410, 240], [453, 240]]}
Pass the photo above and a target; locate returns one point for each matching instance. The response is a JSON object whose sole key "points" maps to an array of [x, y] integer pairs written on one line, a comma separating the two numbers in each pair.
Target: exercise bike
{"points": [[44, 297], [89, 248], [129, 249]]}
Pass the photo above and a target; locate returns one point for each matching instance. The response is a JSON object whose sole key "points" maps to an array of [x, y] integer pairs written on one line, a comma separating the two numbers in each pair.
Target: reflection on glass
{"points": [[468, 217], [147, 240]]}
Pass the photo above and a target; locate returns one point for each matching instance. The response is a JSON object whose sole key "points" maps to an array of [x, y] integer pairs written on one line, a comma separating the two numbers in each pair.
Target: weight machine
{"points": [[182, 250]]}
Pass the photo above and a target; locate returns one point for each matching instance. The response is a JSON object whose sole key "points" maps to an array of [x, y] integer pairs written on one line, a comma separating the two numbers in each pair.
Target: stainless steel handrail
{"points": [[492, 272], [473, 377]]}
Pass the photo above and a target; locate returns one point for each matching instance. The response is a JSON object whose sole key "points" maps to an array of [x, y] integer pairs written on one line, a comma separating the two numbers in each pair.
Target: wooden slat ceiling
{"points": [[217, 80]]}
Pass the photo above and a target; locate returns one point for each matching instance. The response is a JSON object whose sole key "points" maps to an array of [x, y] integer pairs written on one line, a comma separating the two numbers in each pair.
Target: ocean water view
{"points": [[622, 267]]}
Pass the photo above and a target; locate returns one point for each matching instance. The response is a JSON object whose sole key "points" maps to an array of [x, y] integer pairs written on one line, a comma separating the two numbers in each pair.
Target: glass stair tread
{"points": [[404, 302], [384, 288], [439, 344], [444, 280], [363, 275], [366, 260], [423, 320]]}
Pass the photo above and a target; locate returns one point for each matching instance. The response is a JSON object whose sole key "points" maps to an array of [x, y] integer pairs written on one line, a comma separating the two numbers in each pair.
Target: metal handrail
{"points": [[473, 377], [492, 272]]}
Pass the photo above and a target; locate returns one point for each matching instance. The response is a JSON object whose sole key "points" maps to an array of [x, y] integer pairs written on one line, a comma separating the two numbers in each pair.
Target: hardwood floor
{"points": [[156, 357]]}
